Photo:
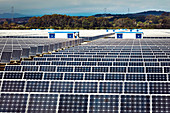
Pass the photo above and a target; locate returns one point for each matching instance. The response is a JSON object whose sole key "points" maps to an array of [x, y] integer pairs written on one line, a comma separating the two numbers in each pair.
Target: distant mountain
{"points": [[9, 15], [145, 13]]}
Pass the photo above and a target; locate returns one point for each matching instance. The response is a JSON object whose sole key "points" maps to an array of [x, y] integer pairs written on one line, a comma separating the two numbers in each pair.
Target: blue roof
{"points": [[64, 32]]}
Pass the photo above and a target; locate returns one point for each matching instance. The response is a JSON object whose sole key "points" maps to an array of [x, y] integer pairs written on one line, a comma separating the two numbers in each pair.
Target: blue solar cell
{"points": [[82, 69], [42, 103], [156, 77], [99, 69], [43, 63], [28, 63], [13, 86], [12, 68], [166, 69], [104, 63], [74, 63], [118, 69], [85, 87], [159, 88], [136, 69], [64, 69], [111, 87], [73, 76], [33, 75], [12, 75], [160, 104], [135, 104], [104, 104], [53, 76], [58, 63], [30, 68], [1, 75], [13, 103], [135, 77], [94, 76], [114, 76], [73, 104], [48, 68], [120, 63], [89, 64], [153, 69], [37, 86], [136, 87], [61, 87]]}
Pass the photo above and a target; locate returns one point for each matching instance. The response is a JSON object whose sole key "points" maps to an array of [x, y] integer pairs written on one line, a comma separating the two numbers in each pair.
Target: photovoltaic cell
{"points": [[135, 77], [135, 104], [12, 68], [64, 69], [94, 76], [85, 87], [73, 104], [37, 86], [53, 76], [156, 77], [99, 69], [160, 104], [61, 87], [110, 87], [42, 103], [13, 103], [33, 75], [73, 76], [136, 87], [153, 69], [159, 88], [30, 68], [114, 76], [48, 68], [13, 86], [118, 69], [82, 69], [12, 75], [104, 104], [136, 69]]}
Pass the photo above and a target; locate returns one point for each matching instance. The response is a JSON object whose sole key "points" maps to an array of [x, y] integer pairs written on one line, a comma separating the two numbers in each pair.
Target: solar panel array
{"points": [[17, 48], [102, 76]]}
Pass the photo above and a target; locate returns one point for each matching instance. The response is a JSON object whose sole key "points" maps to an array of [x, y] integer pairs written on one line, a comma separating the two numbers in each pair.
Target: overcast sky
{"points": [[81, 7]]}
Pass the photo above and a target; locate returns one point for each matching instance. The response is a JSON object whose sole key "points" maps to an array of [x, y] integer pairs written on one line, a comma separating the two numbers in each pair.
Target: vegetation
{"points": [[56, 21]]}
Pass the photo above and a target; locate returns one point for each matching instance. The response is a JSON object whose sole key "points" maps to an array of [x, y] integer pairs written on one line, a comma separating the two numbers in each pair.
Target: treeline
{"points": [[56, 21]]}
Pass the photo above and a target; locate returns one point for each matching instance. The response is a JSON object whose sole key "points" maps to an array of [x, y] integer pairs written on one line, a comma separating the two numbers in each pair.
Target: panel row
{"points": [[100, 59], [77, 103], [48, 68], [85, 76], [86, 87], [96, 63]]}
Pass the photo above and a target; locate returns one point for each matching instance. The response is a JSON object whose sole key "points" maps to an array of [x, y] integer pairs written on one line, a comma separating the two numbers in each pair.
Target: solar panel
{"points": [[111, 87], [64, 69], [166, 69], [118, 69], [37, 86], [160, 104], [135, 77], [94, 76], [114, 76], [53, 76], [73, 104], [136, 87], [73, 76], [82, 69], [58, 63], [61, 87], [159, 88], [12, 68], [48, 68], [12, 75], [85, 87], [99, 69], [13, 102], [88, 63], [153, 69], [13, 86], [30, 68], [43, 63], [33, 75], [46, 103], [135, 104], [156, 77], [136, 69], [104, 104]]}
